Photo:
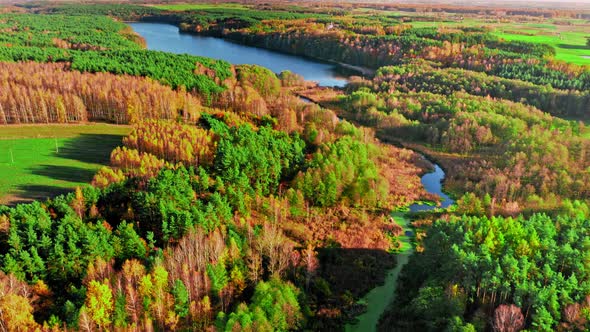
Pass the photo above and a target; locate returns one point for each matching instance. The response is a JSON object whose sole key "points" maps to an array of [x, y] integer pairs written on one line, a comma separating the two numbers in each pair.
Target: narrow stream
{"points": [[432, 182], [379, 298]]}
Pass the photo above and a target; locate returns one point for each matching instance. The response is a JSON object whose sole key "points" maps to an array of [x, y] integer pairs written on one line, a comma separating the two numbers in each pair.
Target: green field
{"points": [[37, 162], [569, 41]]}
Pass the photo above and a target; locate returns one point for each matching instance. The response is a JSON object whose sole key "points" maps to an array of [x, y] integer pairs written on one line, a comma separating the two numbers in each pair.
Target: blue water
{"points": [[167, 38], [432, 182]]}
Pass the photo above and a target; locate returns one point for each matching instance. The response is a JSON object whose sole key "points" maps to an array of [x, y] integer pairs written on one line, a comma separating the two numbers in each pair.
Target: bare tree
{"points": [[508, 318], [572, 314], [277, 247]]}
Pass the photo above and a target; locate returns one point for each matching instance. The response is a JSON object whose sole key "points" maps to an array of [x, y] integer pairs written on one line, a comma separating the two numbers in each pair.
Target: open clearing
{"points": [[569, 40], [40, 161]]}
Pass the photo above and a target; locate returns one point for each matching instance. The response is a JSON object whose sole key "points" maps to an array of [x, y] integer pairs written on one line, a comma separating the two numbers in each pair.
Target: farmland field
{"points": [[569, 40], [37, 162]]}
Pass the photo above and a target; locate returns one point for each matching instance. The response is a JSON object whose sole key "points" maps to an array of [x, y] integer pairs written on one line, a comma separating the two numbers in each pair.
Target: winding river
{"points": [[166, 37], [432, 182]]}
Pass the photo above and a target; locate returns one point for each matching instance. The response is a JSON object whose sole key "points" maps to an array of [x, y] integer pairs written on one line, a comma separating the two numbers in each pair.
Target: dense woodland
{"points": [[107, 50], [169, 238], [425, 78], [520, 272], [512, 153], [72, 32], [35, 93], [233, 205], [207, 215]]}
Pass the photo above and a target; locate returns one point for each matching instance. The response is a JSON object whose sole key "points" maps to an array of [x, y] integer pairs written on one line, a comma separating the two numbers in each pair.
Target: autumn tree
{"points": [[98, 307], [508, 318], [16, 311]]}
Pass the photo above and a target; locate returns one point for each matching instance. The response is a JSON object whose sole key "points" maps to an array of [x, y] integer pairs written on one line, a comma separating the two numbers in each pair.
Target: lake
{"points": [[168, 38]]}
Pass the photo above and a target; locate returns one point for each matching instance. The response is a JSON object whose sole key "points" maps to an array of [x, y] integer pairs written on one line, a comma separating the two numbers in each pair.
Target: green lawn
{"points": [[569, 42], [41, 161]]}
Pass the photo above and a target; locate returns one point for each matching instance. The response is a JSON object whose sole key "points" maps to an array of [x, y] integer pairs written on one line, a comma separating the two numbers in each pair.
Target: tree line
{"points": [[36, 93], [425, 78]]}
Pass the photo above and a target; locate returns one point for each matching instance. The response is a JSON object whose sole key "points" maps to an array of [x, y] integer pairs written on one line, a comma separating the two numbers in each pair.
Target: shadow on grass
{"points": [[90, 148], [354, 269], [64, 173], [573, 47], [28, 193], [87, 148], [348, 273]]}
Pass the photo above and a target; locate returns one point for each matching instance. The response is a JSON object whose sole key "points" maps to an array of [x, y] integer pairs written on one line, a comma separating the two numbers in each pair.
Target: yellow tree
{"points": [[16, 312], [99, 304]]}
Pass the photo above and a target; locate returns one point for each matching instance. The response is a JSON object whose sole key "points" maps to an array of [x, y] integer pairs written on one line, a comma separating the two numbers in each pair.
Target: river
{"points": [[167, 37], [432, 182]]}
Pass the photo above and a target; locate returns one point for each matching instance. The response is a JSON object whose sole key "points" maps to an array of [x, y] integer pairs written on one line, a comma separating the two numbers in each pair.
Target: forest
{"points": [[241, 199], [519, 271], [122, 252], [543, 157], [229, 173]]}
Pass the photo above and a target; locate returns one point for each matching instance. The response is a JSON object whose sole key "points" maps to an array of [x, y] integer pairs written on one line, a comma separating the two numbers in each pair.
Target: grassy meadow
{"points": [[569, 40], [40, 161]]}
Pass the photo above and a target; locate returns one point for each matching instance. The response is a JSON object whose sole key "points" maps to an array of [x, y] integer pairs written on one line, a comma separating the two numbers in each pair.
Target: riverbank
{"points": [[379, 298], [340, 68], [330, 97], [362, 70]]}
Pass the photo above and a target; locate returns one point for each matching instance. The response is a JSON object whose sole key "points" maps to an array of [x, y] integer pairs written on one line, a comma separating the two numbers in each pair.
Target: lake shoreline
{"points": [[339, 66], [168, 38]]}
